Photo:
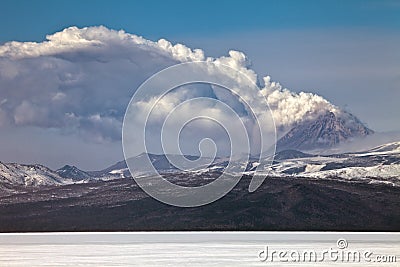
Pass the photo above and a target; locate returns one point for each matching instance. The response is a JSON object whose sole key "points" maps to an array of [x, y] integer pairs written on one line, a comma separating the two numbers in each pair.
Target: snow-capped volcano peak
{"points": [[327, 130]]}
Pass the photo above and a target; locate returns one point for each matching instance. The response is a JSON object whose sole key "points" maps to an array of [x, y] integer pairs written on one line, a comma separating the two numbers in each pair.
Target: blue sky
{"points": [[345, 51], [32, 20]]}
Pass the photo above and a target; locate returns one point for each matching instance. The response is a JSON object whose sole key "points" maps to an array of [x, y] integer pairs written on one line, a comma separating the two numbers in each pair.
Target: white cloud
{"points": [[81, 80]]}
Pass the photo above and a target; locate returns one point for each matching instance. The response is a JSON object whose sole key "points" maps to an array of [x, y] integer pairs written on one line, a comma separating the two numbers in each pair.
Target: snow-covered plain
{"points": [[189, 248]]}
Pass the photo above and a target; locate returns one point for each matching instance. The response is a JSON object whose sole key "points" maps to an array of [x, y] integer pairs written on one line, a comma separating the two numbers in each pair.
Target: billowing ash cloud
{"points": [[81, 80], [290, 108]]}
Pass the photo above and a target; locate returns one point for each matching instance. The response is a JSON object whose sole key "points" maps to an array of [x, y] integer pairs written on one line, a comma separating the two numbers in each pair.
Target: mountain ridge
{"points": [[381, 162]]}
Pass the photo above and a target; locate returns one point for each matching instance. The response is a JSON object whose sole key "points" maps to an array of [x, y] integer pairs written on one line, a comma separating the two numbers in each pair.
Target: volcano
{"points": [[326, 131]]}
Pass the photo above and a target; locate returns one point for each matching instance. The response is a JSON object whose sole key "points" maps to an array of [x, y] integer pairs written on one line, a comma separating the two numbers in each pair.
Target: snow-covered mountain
{"points": [[73, 173], [30, 175], [377, 165], [326, 131], [380, 164]]}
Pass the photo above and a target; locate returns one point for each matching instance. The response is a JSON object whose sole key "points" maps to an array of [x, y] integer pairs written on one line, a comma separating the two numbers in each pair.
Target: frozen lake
{"points": [[195, 249]]}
